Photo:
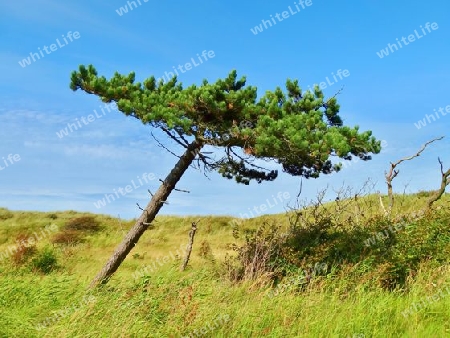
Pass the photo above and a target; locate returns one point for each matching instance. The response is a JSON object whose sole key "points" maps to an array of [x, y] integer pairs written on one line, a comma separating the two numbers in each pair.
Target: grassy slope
{"points": [[170, 303]]}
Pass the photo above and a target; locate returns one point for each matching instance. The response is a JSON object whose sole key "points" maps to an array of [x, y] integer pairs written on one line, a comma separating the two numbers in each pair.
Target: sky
{"points": [[393, 54]]}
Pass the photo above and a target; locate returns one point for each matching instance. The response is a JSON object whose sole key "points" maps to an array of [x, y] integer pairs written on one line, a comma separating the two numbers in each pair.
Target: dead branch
{"points": [[393, 173], [163, 146], [445, 181], [190, 245], [180, 190], [167, 131]]}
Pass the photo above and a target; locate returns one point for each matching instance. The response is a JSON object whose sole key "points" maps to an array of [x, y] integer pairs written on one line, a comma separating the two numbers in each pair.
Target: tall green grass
{"points": [[364, 292]]}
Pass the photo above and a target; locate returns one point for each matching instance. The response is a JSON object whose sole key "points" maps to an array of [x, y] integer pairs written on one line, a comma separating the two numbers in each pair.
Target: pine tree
{"points": [[301, 131]]}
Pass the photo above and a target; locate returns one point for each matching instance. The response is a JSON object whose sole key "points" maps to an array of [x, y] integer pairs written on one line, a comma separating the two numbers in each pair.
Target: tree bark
{"points": [[148, 214]]}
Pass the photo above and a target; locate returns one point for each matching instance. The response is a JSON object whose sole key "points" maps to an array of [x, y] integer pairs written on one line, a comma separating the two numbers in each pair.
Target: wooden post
{"points": [[189, 246]]}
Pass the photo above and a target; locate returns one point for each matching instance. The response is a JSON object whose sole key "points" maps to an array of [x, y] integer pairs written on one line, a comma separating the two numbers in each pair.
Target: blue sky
{"points": [[387, 95]]}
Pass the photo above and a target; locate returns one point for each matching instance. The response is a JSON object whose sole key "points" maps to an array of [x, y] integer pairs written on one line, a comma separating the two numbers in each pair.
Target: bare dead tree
{"points": [[190, 245], [445, 181], [393, 173]]}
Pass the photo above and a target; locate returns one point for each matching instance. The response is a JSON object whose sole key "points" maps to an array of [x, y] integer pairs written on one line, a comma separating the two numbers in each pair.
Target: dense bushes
{"points": [[389, 249], [75, 230], [258, 256]]}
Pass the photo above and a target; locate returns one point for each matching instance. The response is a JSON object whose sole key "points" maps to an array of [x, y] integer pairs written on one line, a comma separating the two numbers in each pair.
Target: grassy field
{"points": [[395, 285]]}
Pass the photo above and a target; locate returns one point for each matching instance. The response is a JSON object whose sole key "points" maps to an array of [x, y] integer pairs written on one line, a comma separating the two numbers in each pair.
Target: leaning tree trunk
{"points": [[148, 214]]}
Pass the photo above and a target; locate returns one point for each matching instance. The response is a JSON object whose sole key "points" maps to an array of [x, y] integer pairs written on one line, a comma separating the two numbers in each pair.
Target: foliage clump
{"points": [[83, 224], [76, 229], [45, 261], [385, 250], [259, 256], [300, 130], [23, 253], [68, 237], [5, 214]]}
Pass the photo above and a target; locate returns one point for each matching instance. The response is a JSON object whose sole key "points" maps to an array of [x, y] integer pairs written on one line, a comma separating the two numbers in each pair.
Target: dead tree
{"points": [[445, 181], [190, 245], [393, 173]]}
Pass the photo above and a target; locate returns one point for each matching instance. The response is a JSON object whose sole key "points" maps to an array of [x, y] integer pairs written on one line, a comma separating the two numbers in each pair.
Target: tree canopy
{"points": [[300, 130]]}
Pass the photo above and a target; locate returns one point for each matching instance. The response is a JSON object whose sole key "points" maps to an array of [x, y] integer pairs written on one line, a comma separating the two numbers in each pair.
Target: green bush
{"points": [[84, 223], [386, 251], [5, 214], [52, 216], [45, 261], [259, 256], [67, 237]]}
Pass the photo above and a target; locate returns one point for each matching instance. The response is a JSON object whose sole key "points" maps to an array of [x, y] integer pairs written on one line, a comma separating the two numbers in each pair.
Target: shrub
{"points": [[23, 252], [259, 256], [84, 223], [205, 250], [67, 237], [45, 262], [5, 214], [139, 256], [52, 216]]}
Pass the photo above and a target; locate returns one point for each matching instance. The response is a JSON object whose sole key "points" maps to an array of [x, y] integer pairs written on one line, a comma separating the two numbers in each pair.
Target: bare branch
{"points": [[419, 152], [164, 129], [163, 146], [328, 101], [230, 149], [445, 181], [301, 187], [173, 188], [182, 190], [182, 137], [393, 173]]}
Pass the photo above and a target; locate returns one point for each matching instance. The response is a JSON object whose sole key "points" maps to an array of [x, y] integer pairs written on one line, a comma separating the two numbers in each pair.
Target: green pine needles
{"points": [[302, 131]]}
